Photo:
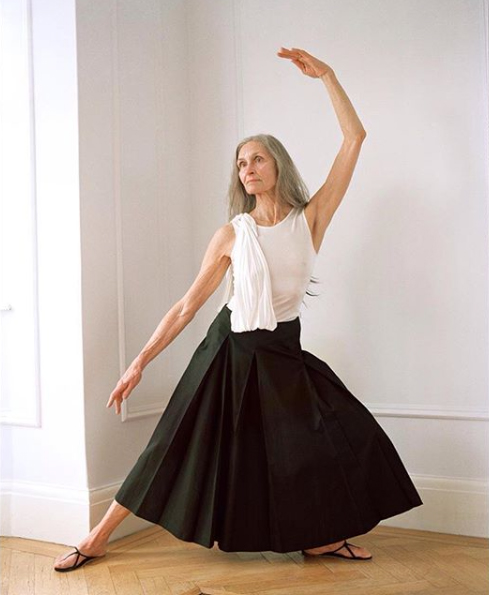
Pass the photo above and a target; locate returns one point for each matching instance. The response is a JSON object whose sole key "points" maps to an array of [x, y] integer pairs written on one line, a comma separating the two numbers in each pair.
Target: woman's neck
{"points": [[270, 214]]}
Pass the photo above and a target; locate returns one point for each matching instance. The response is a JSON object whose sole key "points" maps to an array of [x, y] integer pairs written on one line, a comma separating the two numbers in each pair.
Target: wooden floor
{"points": [[154, 562]]}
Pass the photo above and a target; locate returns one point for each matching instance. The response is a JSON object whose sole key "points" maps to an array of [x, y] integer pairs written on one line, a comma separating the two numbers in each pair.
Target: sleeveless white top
{"points": [[270, 270]]}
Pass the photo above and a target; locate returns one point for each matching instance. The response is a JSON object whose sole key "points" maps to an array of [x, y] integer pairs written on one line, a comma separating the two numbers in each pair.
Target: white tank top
{"points": [[271, 266]]}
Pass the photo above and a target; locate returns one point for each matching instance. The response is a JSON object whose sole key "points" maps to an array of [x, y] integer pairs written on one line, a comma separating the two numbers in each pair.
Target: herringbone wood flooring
{"points": [[154, 562]]}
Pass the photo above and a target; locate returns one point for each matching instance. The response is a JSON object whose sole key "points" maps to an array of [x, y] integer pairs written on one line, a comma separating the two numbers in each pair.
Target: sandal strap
{"points": [[78, 554], [346, 545], [72, 554], [84, 555], [338, 548]]}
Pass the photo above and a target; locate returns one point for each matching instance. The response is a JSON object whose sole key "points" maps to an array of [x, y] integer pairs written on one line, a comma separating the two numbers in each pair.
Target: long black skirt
{"points": [[263, 448]]}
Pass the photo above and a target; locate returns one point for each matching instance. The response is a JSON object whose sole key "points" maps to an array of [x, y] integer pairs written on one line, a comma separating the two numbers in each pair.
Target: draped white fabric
{"points": [[251, 305]]}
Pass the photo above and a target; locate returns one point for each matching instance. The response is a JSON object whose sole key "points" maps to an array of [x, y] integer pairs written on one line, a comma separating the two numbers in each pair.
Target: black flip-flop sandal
{"points": [[333, 552], [76, 564]]}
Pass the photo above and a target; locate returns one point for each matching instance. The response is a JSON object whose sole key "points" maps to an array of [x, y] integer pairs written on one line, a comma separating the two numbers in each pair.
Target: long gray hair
{"points": [[290, 186]]}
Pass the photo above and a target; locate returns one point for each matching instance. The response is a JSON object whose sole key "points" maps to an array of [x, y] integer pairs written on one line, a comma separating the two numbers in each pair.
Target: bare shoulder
{"points": [[223, 239]]}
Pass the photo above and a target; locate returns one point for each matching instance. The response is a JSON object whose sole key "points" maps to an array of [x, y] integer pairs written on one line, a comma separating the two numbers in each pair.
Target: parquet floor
{"points": [[154, 562]]}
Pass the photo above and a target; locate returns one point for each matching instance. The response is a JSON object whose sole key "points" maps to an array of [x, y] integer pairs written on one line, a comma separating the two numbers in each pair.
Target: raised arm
{"points": [[214, 265], [322, 206]]}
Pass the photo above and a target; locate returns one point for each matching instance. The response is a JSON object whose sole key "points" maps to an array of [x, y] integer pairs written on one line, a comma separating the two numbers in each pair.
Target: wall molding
{"points": [[377, 410], [12, 418], [140, 411], [42, 511], [238, 63], [129, 411], [427, 412]]}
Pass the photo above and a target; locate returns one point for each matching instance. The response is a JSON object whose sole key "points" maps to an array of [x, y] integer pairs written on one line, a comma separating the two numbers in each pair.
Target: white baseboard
{"points": [[64, 515], [56, 513], [45, 512], [450, 505]]}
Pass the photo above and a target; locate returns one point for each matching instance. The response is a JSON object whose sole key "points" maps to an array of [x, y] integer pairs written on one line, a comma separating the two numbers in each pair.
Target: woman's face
{"points": [[256, 168]]}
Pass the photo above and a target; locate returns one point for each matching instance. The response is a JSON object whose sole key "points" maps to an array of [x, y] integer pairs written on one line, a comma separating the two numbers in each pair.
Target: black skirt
{"points": [[263, 448]]}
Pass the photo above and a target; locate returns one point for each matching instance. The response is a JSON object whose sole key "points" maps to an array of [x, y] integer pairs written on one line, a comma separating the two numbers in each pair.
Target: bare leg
{"points": [[361, 552], [95, 544]]}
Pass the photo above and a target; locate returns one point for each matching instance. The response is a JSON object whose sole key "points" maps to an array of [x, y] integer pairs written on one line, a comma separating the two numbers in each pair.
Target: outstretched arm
{"points": [[214, 265], [323, 204]]}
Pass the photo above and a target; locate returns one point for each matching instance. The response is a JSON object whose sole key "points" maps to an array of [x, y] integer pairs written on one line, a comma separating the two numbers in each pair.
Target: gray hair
{"points": [[290, 186]]}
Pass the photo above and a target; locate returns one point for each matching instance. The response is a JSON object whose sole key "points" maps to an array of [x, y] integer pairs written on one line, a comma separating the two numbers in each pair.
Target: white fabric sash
{"points": [[251, 303]]}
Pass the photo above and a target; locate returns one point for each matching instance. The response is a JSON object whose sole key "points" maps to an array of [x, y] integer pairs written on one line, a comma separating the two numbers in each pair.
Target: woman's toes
{"points": [[70, 557], [65, 559], [360, 552]]}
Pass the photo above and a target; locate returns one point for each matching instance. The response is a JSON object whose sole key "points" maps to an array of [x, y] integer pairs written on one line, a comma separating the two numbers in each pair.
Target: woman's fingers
{"points": [[298, 57], [285, 53], [128, 390], [116, 396], [116, 400], [123, 389], [308, 64], [293, 56]]}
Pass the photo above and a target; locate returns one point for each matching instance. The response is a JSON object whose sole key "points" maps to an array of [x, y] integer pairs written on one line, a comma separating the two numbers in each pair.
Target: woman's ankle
{"points": [[95, 541]]}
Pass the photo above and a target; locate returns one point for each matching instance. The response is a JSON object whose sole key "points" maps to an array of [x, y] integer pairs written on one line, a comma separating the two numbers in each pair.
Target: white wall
{"points": [[165, 91], [402, 316]]}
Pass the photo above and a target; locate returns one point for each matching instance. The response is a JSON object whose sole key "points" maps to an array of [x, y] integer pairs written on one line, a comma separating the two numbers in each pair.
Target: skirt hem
{"points": [[331, 539]]}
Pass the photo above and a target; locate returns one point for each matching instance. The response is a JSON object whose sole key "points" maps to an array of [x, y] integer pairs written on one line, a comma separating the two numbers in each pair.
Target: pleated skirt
{"points": [[263, 448]]}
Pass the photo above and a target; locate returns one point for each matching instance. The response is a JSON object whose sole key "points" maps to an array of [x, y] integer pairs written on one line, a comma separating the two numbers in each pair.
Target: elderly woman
{"points": [[261, 447]]}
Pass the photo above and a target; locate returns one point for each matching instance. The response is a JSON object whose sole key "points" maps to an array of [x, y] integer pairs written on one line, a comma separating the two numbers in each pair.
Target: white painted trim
{"points": [[427, 412], [238, 63], [42, 490], [116, 170], [37, 421], [58, 514], [8, 418], [140, 411], [454, 505], [46, 512], [129, 411]]}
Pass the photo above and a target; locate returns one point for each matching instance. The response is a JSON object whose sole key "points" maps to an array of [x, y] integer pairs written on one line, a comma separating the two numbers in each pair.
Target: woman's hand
{"points": [[307, 63], [124, 387]]}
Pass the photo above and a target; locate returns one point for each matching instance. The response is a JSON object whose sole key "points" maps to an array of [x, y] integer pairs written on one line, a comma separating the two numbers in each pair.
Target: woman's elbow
{"points": [[188, 309]]}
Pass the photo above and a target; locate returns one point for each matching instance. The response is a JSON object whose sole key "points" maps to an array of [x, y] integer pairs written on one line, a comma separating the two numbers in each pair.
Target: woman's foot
{"points": [[71, 558], [360, 552], [95, 544]]}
